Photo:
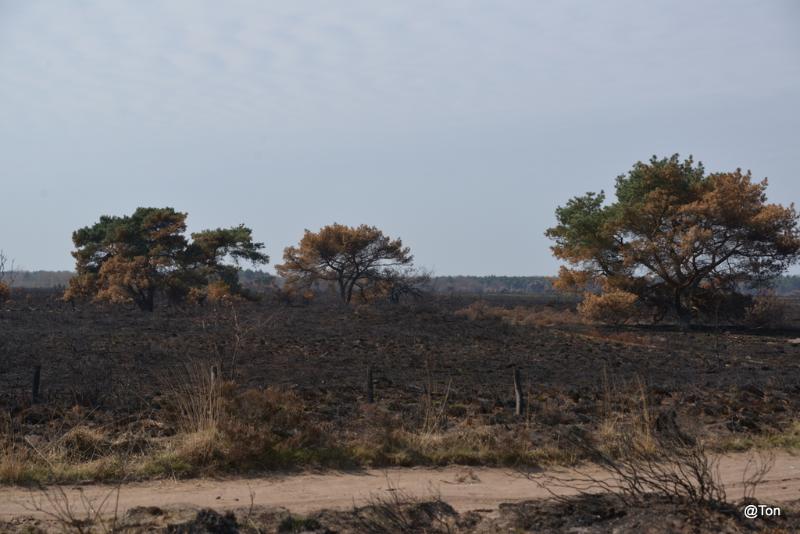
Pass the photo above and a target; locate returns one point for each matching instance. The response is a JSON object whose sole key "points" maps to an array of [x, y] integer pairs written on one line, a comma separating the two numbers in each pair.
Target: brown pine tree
{"points": [[356, 259]]}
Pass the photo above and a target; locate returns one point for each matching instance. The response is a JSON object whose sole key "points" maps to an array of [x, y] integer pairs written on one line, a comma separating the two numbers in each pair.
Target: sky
{"points": [[456, 125]]}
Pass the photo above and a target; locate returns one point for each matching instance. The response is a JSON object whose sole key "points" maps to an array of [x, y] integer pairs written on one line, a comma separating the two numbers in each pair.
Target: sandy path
{"points": [[464, 488]]}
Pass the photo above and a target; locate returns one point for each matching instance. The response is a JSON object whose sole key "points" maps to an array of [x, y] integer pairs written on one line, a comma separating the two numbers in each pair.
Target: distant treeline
{"points": [[39, 279], [788, 285], [60, 279], [536, 285], [492, 284]]}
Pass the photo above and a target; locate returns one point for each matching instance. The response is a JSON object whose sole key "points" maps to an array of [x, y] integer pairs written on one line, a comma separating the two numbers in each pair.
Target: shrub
{"points": [[400, 512], [83, 443], [5, 292], [266, 427], [612, 307], [545, 316], [290, 295], [766, 311], [219, 291], [656, 460], [714, 308], [299, 524], [479, 309]]}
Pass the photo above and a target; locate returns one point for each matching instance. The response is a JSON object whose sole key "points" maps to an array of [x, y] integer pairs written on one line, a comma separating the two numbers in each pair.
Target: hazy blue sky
{"points": [[457, 125]]}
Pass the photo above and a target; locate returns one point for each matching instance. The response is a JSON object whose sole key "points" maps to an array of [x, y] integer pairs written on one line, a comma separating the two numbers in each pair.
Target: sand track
{"points": [[464, 488]]}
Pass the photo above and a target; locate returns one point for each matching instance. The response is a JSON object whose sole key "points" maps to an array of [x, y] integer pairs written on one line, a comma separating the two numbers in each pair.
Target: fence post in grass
{"points": [[37, 377], [370, 386], [214, 374], [519, 400]]}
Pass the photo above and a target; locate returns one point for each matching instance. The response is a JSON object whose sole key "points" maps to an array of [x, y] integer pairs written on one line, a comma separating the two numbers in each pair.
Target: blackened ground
{"points": [[116, 362]]}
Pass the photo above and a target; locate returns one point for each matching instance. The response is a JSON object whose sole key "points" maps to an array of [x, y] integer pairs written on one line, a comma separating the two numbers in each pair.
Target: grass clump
{"points": [[788, 439], [84, 444]]}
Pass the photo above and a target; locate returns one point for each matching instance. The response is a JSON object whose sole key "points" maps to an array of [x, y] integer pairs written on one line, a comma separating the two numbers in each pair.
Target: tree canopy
{"points": [[677, 238], [353, 258], [132, 258]]}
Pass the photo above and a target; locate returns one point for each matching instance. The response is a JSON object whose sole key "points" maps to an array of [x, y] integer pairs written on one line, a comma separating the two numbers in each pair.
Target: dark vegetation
{"points": [[126, 394]]}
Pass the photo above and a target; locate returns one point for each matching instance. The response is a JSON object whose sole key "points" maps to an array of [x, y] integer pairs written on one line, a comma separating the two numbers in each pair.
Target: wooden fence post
{"points": [[370, 386], [214, 376], [519, 398], [37, 377]]}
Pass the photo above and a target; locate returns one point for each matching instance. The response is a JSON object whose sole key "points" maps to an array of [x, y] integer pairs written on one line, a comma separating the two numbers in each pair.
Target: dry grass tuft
{"points": [[788, 438], [14, 460], [626, 420], [83, 443], [196, 396]]}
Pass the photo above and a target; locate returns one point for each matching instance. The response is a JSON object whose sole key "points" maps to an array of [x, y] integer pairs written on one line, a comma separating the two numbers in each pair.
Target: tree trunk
{"points": [[684, 314], [146, 301]]}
